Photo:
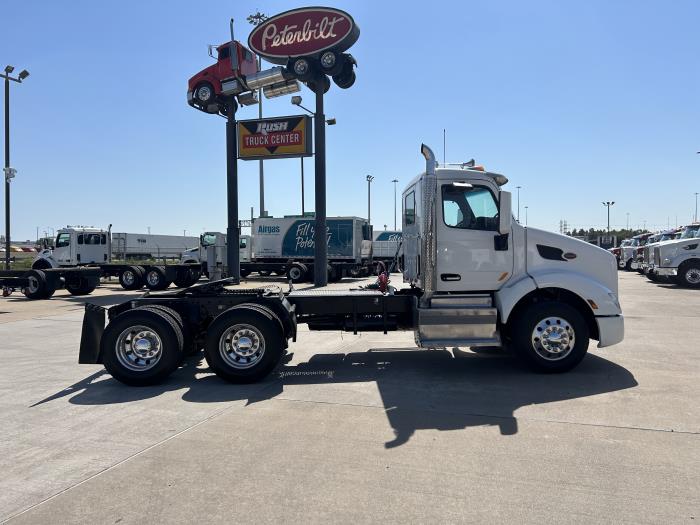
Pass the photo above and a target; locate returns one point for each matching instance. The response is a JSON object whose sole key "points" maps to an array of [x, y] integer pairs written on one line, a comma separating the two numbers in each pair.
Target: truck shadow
{"points": [[439, 390]]}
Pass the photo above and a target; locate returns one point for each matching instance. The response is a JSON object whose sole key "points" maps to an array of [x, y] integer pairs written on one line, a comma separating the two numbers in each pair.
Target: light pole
{"points": [[9, 172], [395, 181], [255, 20], [608, 204], [518, 188], [370, 178], [296, 100], [628, 220], [696, 206], [526, 215]]}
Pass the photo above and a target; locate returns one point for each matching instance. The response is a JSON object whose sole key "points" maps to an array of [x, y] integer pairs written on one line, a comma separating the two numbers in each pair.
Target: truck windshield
{"points": [[63, 240], [691, 232], [208, 239]]}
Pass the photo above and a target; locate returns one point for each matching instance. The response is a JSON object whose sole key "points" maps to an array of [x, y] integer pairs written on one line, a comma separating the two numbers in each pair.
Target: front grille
{"points": [[657, 257], [646, 255]]}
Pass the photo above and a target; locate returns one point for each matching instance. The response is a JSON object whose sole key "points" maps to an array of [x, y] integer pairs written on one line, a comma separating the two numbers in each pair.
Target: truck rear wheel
{"points": [[131, 278], [243, 346], [297, 273], [141, 347], [38, 286], [156, 278], [689, 274], [550, 337], [187, 277], [82, 286]]}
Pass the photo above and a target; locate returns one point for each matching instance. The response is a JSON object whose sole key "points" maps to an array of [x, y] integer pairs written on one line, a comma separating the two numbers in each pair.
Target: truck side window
{"points": [[472, 208], [63, 240], [80, 239], [409, 209], [243, 243], [224, 52], [103, 240]]}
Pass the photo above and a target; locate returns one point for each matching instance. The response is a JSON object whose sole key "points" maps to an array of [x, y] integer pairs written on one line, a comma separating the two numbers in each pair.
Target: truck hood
{"points": [[670, 249], [549, 252]]}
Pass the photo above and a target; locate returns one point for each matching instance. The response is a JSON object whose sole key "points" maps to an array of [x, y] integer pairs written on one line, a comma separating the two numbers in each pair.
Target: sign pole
{"points": [[232, 231], [320, 243]]}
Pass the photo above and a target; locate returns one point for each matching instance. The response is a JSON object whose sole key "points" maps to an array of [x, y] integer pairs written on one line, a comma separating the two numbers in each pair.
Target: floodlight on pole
{"points": [[395, 181], [608, 204], [370, 178]]}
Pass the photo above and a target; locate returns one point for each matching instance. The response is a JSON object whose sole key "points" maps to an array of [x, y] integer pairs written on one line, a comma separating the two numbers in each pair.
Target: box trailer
{"points": [[478, 278], [386, 246], [147, 246], [285, 246]]}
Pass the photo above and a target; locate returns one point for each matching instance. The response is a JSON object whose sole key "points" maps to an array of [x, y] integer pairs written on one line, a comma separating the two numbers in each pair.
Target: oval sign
{"points": [[303, 32]]}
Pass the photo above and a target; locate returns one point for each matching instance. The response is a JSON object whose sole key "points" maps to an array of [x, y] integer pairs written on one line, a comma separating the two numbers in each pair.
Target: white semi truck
{"points": [[79, 246], [680, 259], [478, 278], [285, 246]]}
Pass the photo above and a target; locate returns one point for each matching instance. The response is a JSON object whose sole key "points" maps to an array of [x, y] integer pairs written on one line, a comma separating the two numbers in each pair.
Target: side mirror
{"points": [[505, 215]]}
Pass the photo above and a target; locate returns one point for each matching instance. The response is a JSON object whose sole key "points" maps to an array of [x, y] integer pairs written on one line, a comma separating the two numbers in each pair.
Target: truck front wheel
{"points": [[243, 346], [689, 274], [550, 337]]}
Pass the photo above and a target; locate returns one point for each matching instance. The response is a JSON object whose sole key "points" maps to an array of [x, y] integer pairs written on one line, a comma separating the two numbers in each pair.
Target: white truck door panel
{"points": [[467, 227]]}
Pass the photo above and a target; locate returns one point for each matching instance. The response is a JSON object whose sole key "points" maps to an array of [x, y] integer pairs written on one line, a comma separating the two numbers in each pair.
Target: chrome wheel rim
{"points": [[153, 278], [204, 93], [128, 277], [693, 276], [33, 284], [139, 348], [553, 338], [242, 346], [294, 273]]}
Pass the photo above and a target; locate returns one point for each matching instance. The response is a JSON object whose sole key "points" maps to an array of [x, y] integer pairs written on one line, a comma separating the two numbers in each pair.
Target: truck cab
{"points": [[680, 259], [462, 246], [76, 246], [204, 87]]}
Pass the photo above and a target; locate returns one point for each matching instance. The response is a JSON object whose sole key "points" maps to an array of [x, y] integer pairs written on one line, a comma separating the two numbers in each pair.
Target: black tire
{"points": [[185, 332], [245, 273], [41, 264], [335, 274], [538, 318], [297, 273], [39, 286], [170, 352], [260, 330], [82, 286], [205, 97], [131, 278], [689, 274], [628, 265], [156, 279], [186, 277]]}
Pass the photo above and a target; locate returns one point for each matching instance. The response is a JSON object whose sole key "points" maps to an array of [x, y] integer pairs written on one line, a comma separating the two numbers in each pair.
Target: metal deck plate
{"points": [[335, 293]]}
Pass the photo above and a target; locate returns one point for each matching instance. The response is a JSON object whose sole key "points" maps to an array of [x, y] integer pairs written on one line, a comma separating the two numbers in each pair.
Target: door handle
{"points": [[450, 277]]}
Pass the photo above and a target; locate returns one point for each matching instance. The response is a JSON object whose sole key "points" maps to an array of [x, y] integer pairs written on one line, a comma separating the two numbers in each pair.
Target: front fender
{"points": [[604, 300]]}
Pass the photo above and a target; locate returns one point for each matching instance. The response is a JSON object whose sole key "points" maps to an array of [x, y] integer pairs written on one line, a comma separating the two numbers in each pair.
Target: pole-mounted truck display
{"points": [[477, 278]]}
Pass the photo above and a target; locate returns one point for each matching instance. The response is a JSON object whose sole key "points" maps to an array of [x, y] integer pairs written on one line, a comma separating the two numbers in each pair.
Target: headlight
{"points": [[666, 261]]}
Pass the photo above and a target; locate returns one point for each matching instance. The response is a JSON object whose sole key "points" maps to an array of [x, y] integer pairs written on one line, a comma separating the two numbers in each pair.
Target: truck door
{"points": [[62, 250], [244, 250], [467, 258]]}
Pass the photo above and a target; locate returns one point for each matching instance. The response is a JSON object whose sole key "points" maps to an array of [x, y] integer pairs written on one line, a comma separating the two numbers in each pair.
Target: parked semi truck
{"points": [[647, 262], [680, 259], [478, 278], [285, 246], [78, 246]]}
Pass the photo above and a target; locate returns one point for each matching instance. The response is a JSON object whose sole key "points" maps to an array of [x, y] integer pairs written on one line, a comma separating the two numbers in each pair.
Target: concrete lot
{"points": [[355, 428]]}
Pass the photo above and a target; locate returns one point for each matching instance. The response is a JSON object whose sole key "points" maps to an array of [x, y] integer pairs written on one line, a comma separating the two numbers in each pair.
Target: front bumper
{"points": [[611, 330], [634, 265], [668, 272]]}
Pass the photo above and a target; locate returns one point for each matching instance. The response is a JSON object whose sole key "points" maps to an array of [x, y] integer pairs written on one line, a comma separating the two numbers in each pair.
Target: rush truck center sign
{"points": [[279, 137], [303, 32]]}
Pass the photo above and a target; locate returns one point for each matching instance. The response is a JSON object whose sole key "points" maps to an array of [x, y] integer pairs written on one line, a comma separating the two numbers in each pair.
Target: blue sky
{"points": [[577, 102]]}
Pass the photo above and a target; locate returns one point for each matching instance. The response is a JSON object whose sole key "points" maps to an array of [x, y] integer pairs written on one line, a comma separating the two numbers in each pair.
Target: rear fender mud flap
{"points": [[93, 327]]}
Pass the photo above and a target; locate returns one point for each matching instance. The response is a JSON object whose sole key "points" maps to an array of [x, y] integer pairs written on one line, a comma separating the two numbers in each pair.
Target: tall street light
{"points": [[608, 204], [296, 100], [526, 215], [370, 178], [696, 206], [395, 181], [518, 188], [255, 20], [9, 172]]}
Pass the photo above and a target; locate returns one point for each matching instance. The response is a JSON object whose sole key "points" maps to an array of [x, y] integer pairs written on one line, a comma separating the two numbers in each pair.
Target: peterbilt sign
{"points": [[280, 137], [303, 32]]}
